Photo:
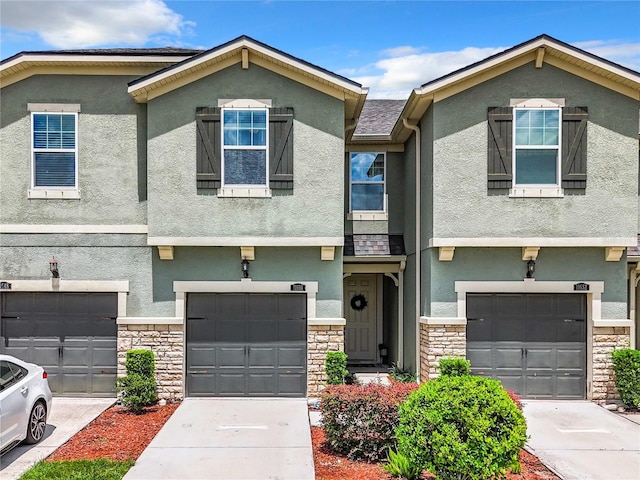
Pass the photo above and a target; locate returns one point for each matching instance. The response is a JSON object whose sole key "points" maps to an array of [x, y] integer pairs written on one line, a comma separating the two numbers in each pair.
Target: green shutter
{"points": [[574, 148], [208, 148], [500, 148], [281, 148]]}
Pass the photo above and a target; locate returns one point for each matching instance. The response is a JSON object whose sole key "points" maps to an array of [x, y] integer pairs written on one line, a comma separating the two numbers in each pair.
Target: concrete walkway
{"points": [[581, 440], [67, 417], [231, 439]]}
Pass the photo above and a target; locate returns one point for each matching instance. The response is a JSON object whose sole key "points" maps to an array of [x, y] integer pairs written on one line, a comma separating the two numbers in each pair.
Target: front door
{"points": [[360, 310]]}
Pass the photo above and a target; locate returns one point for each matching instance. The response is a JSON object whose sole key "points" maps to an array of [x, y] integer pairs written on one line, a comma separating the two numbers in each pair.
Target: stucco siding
{"points": [[111, 152], [462, 207], [314, 209]]}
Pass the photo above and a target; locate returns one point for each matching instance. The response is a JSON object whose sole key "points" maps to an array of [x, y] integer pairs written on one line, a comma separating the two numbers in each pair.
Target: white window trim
{"points": [[370, 215], [244, 190], [52, 192], [537, 190]]}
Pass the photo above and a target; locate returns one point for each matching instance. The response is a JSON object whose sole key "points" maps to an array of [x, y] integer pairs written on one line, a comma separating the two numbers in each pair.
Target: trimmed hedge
{"points": [[454, 367], [626, 365], [462, 427], [360, 420], [138, 387], [335, 366]]}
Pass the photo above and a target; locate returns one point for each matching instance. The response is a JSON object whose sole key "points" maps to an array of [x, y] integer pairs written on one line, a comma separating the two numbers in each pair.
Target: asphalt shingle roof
{"points": [[378, 117]]}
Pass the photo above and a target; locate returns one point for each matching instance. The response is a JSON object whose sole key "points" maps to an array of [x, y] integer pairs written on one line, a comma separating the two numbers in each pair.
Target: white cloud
{"points": [[89, 23], [396, 77], [624, 53], [400, 51]]}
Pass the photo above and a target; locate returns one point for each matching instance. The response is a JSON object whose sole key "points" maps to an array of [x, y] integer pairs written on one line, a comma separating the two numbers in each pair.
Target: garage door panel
{"points": [[229, 356], [201, 356], [76, 356], [264, 356], [44, 303], [540, 338], [262, 330], [292, 357], [230, 331], [77, 383], [262, 384], [292, 384], [230, 384]]}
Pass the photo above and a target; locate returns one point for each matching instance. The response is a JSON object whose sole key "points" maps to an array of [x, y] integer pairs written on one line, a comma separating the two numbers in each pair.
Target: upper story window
{"points": [[537, 146], [367, 183], [244, 140]]}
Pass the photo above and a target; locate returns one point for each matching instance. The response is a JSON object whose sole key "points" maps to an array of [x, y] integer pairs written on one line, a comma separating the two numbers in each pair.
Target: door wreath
{"points": [[359, 302]]}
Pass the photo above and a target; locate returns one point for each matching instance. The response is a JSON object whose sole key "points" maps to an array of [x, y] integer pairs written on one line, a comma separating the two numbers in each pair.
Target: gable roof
{"points": [[539, 50], [246, 50]]}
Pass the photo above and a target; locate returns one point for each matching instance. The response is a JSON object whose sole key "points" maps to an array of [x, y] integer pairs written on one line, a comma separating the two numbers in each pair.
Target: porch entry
{"points": [[361, 311]]}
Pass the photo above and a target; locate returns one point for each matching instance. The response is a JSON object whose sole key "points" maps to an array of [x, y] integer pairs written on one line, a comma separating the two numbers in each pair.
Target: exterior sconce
{"points": [[53, 266], [245, 268], [384, 351], [531, 268]]}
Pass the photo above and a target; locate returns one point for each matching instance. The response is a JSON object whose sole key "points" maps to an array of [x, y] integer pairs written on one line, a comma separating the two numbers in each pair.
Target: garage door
{"points": [[246, 345], [535, 344], [72, 335]]}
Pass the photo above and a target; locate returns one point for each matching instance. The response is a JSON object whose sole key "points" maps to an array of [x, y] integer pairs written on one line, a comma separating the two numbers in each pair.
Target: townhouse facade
{"points": [[241, 212]]}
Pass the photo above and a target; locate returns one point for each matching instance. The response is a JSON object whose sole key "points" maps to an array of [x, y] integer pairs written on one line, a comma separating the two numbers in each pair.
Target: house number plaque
{"points": [[298, 287], [581, 287], [5, 286]]}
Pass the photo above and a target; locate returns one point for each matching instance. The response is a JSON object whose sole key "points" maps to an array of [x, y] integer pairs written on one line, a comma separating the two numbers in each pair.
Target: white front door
{"points": [[360, 310]]}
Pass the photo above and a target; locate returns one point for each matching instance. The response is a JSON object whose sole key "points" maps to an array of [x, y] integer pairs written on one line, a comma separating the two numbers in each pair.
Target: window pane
{"points": [[245, 167], [55, 169], [539, 167], [244, 137], [259, 119], [367, 167], [230, 136], [259, 137], [551, 136], [367, 197], [68, 123], [54, 123], [230, 118], [244, 118], [39, 122], [54, 140]]}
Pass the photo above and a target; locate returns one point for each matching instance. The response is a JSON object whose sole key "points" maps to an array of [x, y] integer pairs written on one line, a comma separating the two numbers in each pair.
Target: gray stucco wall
{"points": [[316, 206], [463, 208], [111, 151], [505, 264]]}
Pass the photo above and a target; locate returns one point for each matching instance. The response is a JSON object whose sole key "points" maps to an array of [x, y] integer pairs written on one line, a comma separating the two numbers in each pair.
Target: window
{"points": [[367, 182], [55, 152], [244, 140], [536, 146]]}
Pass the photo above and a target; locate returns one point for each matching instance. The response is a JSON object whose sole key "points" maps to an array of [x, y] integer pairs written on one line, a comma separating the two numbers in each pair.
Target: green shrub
{"points": [[401, 375], [454, 367], [141, 362], [463, 427], [138, 388], [336, 367], [400, 466], [360, 420], [626, 365]]}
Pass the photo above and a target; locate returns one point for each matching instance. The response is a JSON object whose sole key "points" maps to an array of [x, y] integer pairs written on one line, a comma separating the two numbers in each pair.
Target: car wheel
{"points": [[37, 423]]}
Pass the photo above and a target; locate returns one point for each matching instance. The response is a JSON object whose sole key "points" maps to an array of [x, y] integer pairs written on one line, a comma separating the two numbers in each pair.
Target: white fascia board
{"points": [[265, 51], [244, 241], [106, 229], [535, 241], [92, 59], [326, 321], [527, 286], [242, 286], [67, 285], [149, 321]]}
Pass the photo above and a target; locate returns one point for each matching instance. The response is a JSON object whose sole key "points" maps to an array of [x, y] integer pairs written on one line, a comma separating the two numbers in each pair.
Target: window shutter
{"points": [[281, 148], [574, 148], [500, 151], [208, 148]]}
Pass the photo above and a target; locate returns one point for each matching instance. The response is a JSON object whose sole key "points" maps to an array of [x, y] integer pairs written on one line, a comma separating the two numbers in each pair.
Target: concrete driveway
{"points": [[219, 438], [67, 417], [581, 440]]}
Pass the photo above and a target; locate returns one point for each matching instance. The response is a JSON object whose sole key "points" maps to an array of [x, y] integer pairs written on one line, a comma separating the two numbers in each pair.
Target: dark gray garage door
{"points": [[246, 344], [72, 335], [535, 344]]}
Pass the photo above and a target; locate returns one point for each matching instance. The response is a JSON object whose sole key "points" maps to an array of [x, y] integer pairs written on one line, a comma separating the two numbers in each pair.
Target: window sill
{"points": [[53, 194], [239, 192], [368, 216], [536, 192]]}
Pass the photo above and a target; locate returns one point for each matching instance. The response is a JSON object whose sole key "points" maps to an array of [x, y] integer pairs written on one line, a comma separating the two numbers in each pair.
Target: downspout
{"points": [[633, 315], [416, 129], [400, 355]]}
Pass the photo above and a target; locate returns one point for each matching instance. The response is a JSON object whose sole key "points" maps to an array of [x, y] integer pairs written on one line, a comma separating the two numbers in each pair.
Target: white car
{"points": [[25, 401]]}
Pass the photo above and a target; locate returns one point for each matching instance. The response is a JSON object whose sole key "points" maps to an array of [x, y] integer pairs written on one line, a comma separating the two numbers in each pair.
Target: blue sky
{"points": [[390, 46]]}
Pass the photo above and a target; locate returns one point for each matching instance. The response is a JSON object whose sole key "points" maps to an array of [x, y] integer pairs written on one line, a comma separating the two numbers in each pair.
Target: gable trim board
{"points": [[243, 241], [537, 241]]}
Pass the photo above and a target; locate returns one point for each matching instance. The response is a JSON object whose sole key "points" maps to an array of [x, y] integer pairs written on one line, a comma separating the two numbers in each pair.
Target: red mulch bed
{"points": [[330, 466], [116, 434]]}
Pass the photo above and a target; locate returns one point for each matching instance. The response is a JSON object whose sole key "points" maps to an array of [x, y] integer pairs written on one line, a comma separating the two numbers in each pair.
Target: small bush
{"points": [[336, 367], [462, 427], [359, 421], [141, 362], [401, 375], [400, 466], [454, 367], [138, 387], [626, 365]]}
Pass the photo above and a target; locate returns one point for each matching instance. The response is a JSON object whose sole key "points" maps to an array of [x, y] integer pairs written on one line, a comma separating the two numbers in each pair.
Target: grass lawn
{"points": [[78, 470]]}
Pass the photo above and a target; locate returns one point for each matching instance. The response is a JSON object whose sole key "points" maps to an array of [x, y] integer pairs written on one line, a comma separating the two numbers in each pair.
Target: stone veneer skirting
{"points": [[440, 341], [320, 340], [605, 341], [167, 343]]}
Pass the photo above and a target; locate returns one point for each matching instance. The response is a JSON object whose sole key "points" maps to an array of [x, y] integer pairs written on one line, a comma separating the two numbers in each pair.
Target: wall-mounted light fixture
{"points": [[245, 268], [53, 266], [531, 268]]}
